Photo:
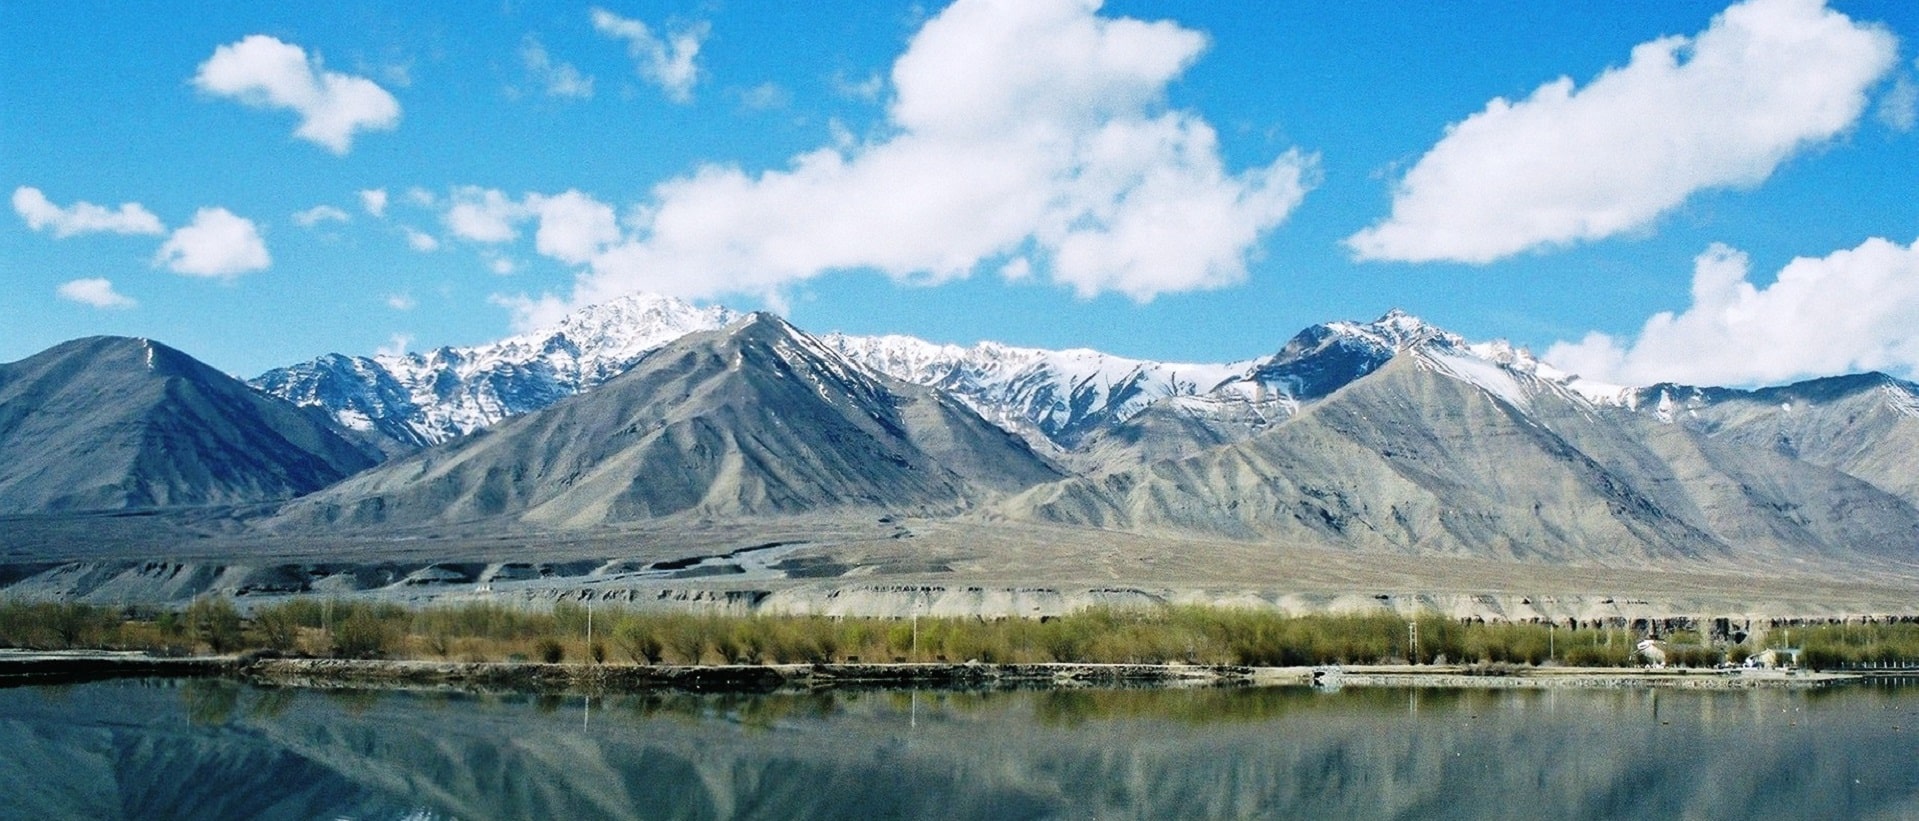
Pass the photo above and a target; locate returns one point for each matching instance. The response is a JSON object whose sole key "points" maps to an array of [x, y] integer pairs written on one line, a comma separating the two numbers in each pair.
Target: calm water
{"points": [[210, 749]]}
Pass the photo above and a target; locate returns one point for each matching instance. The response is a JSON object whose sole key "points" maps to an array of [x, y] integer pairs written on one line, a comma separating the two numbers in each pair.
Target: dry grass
{"points": [[1195, 635]]}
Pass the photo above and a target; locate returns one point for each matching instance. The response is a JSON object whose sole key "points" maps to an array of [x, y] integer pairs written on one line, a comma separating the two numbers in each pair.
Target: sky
{"points": [[1637, 191]]}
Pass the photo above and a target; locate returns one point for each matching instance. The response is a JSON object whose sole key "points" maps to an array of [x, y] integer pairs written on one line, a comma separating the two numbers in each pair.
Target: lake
{"points": [[215, 749]]}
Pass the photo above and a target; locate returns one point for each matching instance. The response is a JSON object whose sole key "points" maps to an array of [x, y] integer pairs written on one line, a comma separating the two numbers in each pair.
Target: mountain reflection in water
{"points": [[215, 749]]}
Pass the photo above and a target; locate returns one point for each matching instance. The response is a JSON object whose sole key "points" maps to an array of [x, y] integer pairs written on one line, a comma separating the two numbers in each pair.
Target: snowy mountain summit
{"points": [[1083, 406], [417, 399], [1056, 400], [1062, 396]]}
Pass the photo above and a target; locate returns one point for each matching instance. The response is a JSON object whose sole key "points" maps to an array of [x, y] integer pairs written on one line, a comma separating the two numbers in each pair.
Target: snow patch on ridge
{"points": [[1901, 399], [1486, 374], [1062, 395]]}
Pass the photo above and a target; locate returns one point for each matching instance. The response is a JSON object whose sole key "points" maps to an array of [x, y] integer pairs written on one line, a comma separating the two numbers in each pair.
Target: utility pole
{"points": [[1412, 641]]}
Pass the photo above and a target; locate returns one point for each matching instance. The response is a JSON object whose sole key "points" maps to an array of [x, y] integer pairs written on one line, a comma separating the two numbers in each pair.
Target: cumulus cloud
{"points": [[401, 302], [218, 243], [1764, 81], [82, 217], [573, 226], [264, 72], [374, 201], [95, 291], [1899, 108], [866, 88], [763, 97], [319, 214], [532, 312], [556, 79], [1854, 310], [1033, 131], [395, 346], [483, 215], [420, 240], [668, 61]]}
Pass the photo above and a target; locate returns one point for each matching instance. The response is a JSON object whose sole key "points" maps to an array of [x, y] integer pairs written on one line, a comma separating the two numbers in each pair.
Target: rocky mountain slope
{"points": [[109, 423], [1445, 449], [753, 419], [1391, 436], [1865, 425]]}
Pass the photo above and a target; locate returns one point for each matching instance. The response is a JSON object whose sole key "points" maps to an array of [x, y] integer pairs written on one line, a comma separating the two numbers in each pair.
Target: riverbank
{"points": [[18, 669]]}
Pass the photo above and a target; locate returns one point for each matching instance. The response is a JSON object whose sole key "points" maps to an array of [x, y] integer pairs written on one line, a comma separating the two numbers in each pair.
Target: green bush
{"points": [[639, 639], [364, 633], [216, 622], [56, 625], [276, 627], [687, 637]]}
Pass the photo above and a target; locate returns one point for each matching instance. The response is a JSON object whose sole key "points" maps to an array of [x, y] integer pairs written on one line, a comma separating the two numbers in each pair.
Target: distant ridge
{"points": [[1436, 452], [755, 419], [110, 423]]}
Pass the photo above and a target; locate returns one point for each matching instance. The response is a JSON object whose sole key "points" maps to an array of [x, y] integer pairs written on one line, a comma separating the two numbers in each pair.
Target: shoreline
{"points": [[29, 669]]}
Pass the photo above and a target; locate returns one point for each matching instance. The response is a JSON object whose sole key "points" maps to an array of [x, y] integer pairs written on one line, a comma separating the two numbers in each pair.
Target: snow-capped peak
{"points": [[1057, 395], [422, 398], [1396, 330]]}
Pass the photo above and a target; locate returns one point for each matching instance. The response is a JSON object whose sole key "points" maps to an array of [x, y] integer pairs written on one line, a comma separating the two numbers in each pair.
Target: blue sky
{"points": [[1178, 181]]}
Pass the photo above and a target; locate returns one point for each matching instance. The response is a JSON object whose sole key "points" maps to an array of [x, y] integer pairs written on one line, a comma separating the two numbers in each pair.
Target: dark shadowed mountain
{"points": [[753, 419], [109, 423]]}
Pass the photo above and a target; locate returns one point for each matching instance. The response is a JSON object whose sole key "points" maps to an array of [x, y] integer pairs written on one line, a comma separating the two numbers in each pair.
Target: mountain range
{"points": [[753, 419], [1391, 436]]}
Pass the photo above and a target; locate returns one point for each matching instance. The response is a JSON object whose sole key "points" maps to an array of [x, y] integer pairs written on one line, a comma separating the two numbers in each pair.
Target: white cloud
{"points": [[867, 88], [319, 214], [763, 97], [573, 226], [401, 302], [1767, 79], [217, 244], [1030, 128], [1899, 108], [396, 345], [500, 264], [97, 292], [1853, 310], [556, 79], [82, 217], [420, 240], [667, 62], [374, 201], [529, 313], [264, 72], [483, 215]]}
